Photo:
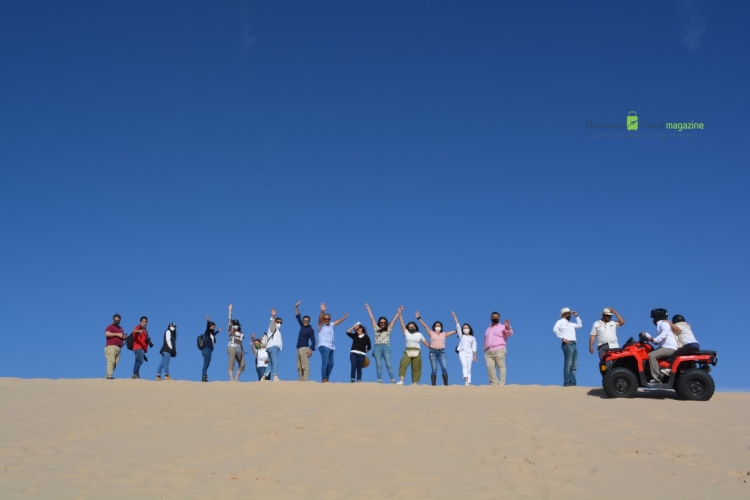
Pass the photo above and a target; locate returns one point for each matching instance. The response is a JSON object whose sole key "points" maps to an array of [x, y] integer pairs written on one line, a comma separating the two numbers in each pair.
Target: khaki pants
{"points": [[495, 360], [112, 353], [416, 367], [236, 353], [653, 360], [303, 363]]}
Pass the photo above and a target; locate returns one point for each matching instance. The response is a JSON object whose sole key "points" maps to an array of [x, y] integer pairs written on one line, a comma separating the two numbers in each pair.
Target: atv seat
{"points": [[699, 353]]}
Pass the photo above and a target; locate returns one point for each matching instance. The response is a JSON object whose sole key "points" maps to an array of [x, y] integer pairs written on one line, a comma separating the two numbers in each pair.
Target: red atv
{"points": [[626, 368]]}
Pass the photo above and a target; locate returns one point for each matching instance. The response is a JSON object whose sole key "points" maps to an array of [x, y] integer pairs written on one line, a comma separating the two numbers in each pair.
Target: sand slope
{"points": [[137, 438]]}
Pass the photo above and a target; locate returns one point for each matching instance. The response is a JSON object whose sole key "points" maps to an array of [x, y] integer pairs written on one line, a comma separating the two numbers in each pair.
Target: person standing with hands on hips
{"points": [[566, 332], [325, 340], [305, 344], [495, 348]]}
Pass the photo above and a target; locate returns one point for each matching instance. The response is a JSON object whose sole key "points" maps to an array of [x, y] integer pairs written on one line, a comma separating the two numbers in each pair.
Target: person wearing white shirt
{"points": [[566, 332], [261, 357], [273, 346], [604, 332], [412, 354], [467, 348], [664, 340]]}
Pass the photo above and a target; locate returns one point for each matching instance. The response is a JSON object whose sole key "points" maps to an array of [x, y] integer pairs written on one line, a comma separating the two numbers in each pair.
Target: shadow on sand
{"points": [[641, 394]]}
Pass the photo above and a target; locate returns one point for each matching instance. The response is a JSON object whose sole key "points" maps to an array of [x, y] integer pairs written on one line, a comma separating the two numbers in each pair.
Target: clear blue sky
{"points": [[168, 158]]}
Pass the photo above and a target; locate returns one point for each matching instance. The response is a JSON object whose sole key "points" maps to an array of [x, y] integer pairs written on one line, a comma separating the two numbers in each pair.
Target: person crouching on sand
{"points": [[467, 348], [360, 347], [412, 354]]}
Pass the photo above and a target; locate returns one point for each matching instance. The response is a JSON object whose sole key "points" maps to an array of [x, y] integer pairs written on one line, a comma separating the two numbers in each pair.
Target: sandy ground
{"points": [[146, 439]]}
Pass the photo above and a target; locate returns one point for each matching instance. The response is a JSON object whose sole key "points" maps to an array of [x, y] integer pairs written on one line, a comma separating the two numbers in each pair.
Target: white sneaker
{"points": [[666, 371], [399, 383], [467, 383]]}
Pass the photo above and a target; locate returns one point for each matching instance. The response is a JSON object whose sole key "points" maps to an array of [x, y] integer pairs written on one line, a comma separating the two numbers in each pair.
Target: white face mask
{"points": [[171, 328], [236, 327], [466, 331], [438, 328]]}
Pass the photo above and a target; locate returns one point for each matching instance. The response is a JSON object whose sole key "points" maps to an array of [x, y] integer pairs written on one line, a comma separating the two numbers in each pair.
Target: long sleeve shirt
{"points": [[306, 335], [496, 337], [665, 337], [360, 345], [274, 335], [566, 329], [466, 343], [209, 337]]}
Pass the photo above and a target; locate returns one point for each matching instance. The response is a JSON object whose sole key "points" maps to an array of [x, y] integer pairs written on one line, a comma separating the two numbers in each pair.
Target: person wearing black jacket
{"points": [[360, 347], [168, 351], [209, 339]]}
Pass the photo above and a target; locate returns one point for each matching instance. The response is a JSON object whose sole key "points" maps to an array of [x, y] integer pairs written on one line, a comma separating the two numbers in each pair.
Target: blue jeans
{"points": [[358, 361], [165, 357], [326, 355], [570, 352], [139, 354], [207, 353], [379, 352], [438, 355], [261, 371], [273, 361]]}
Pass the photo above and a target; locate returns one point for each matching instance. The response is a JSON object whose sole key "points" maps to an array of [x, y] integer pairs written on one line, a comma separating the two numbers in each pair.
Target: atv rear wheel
{"points": [[695, 385], [620, 383]]}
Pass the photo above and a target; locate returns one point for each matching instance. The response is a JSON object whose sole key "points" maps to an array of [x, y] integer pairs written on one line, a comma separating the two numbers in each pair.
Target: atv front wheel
{"points": [[620, 383], [695, 385]]}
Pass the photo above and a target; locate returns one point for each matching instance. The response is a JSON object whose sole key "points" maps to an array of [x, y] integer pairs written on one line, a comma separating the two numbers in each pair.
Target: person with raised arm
{"points": [[261, 356], [273, 344], [495, 347], [325, 340], [467, 348], [361, 345], [604, 332], [235, 350], [437, 348], [565, 330], [305, 344], [382, 349], [209, 340], [412, 354]]}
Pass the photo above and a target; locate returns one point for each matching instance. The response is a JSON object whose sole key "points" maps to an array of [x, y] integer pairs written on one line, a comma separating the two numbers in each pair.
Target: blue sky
{"points": [[168, 158]]}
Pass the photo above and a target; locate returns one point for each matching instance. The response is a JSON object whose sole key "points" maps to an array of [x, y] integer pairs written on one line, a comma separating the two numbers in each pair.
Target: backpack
{"points": [[129, 340], [201, 341]]}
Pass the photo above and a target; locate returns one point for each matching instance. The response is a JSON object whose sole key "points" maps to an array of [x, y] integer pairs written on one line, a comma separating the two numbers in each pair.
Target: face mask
{"points": [[278, 325], [438, 329], [466, 331], [117, 322], [171, 328], [495, 321], [412, 330], [236, 327]]}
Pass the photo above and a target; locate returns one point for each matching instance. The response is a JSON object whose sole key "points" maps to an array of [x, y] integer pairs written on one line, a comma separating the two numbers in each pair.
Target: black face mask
{"points": [[412, 330], [495, 321], [116, 322]]}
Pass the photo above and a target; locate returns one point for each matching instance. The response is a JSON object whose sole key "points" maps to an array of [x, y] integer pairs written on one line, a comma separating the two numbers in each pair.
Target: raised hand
{"points": [[208, 318], [346, 315], [367, 306], [273, 312], [454, 316], [323, 306], [507, 323], [298, 303], [417, 315], [230, 307]]}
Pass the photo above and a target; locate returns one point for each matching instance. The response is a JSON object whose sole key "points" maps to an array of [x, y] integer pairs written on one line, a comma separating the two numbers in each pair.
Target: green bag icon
{"points": [[632, 121]]}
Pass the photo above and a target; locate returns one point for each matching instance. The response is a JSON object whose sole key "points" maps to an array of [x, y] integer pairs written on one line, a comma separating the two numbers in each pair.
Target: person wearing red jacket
{"points": [[140, 345]]}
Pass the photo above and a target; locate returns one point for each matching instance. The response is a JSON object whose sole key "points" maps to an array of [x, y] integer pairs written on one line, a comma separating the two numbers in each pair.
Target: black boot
{"points": [[445, 379], [205, 378], [433, 378]]}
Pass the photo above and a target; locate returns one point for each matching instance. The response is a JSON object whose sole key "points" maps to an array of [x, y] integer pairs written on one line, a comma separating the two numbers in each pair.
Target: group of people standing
{"points": [[266, 349]]}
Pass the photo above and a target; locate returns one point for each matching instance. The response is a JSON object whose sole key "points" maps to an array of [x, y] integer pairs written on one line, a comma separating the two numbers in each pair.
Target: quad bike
{"points": [[626, 369]]}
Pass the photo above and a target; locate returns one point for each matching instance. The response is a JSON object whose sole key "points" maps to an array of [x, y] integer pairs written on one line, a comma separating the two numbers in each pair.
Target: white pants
{"points": [[466, 358]]}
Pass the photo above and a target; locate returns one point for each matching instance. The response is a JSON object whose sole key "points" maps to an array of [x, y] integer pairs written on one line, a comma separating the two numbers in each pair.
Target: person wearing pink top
{"points": [[495, 343], [437, 348]]}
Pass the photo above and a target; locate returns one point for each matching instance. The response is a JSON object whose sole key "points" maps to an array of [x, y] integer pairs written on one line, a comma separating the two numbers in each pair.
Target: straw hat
{"points": [[564, 310]]}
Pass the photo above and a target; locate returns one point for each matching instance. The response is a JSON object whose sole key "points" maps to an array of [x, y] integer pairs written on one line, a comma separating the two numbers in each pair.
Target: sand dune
{"points": [[145, 439]]}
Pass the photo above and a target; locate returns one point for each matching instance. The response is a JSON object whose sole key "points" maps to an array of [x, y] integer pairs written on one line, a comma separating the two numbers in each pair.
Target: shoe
{"points": [[167, 377], [110, 378], [665, 371], [352, 381], [158, 377], [445, 379], [654, 381], [399, 383], [380, 381], [204, 378], [467, 383], [134, 376], [433, 378], [325, 380]]}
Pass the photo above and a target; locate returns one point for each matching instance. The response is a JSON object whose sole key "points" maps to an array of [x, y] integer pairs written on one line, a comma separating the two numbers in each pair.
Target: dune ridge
{"points": [[137, 438]]}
